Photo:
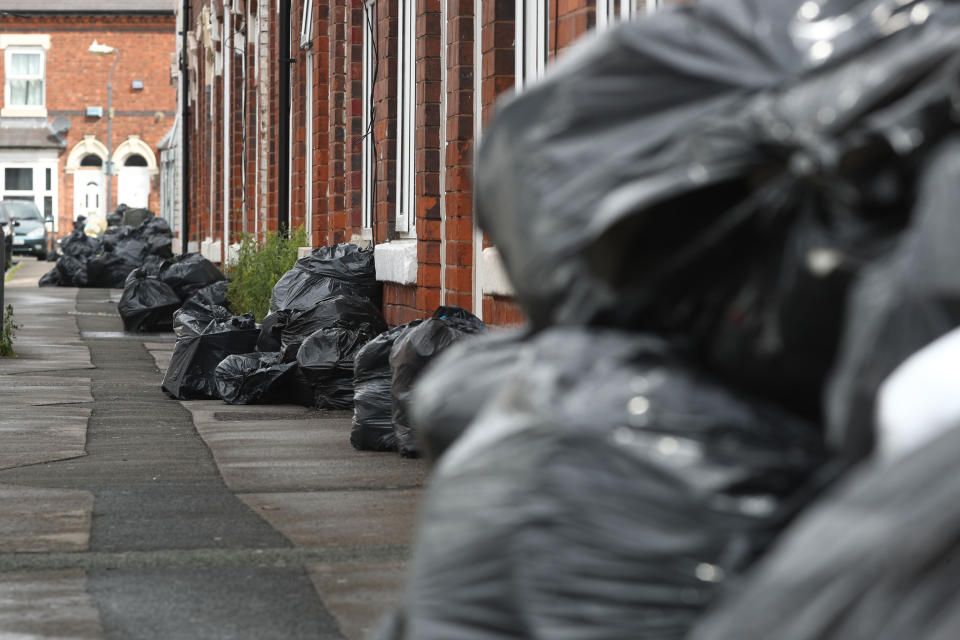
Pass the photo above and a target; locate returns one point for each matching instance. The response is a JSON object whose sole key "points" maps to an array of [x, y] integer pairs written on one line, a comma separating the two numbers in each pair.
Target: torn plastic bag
{"points": [[347, 312], [899, 304], [189, 272], [262, 378], [372, 406], [643, 203], [412, 352], [607, 492], [147, 304], [205, 336], [343, 269], [72, 270], [50, 278], [455, 387], [326, 358], [873, 560]]}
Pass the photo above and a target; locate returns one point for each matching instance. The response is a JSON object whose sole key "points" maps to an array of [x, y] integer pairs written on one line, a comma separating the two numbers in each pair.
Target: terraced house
{"points": [[357, 120], [81, 125]]}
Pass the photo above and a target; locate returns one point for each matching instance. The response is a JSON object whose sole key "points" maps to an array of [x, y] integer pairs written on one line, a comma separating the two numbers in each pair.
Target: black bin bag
{"points": [[873, 560], [412, 352], [50, 278], [190, 272], [110, 268], [205, 336], [342, 269], [72, 270], [261, 378], [372, 405], [212, 294], [345, 312], [607, 492], [326, 358], [147, 304], [458, 384]]}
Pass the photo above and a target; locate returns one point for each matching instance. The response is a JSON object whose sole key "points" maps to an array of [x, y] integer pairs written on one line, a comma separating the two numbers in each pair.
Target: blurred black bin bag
{"points": [[457, 385], [261, 378], [345, 312], [326, 359], [372, 406], [190, 272], [709, 173], [412, 351], [342, 269], [147, 304], [204, 338], [874, 560], [606, 493]]}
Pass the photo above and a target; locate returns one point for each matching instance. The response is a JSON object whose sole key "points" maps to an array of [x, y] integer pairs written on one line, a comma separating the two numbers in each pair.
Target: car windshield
{"points": [[22, 210]]}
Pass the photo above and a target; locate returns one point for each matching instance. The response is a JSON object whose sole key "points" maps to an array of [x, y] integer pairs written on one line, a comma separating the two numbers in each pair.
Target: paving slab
{"points": [[31, 435], [47, 605], [358, 595], [339, 518], [306, 453], [35, 520], [161, 352], [39, 390]]}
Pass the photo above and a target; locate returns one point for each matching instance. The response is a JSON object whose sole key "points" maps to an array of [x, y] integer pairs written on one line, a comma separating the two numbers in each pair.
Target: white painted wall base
{"points": [[495, 280], [396, 261], [364, 239], [303, 252], [192, 246], [212, 251]]}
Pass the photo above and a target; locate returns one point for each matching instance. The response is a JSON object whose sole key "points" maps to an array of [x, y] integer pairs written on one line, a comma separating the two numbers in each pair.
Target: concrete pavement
{"points": [[125, 514]]}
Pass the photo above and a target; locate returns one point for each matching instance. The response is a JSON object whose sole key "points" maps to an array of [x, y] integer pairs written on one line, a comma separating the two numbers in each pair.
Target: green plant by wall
{"points": [[7, 334], [257, 268]]}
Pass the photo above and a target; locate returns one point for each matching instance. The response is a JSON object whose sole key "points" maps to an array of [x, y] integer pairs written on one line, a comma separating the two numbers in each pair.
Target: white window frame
{"points": [[308, 149], [610, 12], [10, 109], [405, 218], [306, 25], [38, 192], [367, 147], [530, 41]]}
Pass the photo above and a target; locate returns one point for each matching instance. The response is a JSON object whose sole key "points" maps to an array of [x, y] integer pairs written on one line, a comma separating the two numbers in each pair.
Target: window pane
{"points": [[26, 92], [25, 64], [91, 160], [47, 205], [18, 179], [49, 179]]}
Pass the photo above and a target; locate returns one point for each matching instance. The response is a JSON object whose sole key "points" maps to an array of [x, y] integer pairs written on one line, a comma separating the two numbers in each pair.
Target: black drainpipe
{"points": [[283, 104], [184, 132]]}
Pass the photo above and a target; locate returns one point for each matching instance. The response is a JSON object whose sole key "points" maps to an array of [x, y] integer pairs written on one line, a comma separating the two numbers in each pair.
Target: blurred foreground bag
{"points": [[261, 378], [874, 560], [412, 351], [372, 406], [457, 385], [147, 304], [205, 336], [605, 494], [711, 174]]}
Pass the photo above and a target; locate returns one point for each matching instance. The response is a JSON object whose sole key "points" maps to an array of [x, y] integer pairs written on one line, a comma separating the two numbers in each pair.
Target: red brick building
{"points": [[54, 142], [356, 120]]}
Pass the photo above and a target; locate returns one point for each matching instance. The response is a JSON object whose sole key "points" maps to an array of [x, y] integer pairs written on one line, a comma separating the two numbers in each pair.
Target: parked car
{"points": [[7, 223], [31, 235]]}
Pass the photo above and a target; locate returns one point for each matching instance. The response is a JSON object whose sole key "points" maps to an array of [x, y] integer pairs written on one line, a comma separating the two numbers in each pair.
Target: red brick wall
{"points": [[76, 79]]}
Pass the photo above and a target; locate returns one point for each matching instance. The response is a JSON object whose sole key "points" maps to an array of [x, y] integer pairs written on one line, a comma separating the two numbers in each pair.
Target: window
{"points": [[135, 160], [406, 117], [18, 179], [530, 44], [368, 146], [24, 70], [609, 12], [91, 160], [306, 25]]}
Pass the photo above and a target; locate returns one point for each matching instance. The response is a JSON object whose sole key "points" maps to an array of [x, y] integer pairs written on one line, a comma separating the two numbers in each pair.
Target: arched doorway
{"points": [[86, 162], [133, 182]]}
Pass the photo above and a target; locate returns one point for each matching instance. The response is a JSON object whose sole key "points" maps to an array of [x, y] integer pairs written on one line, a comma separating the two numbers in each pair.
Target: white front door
{"points": [[133, 187], [88, 196]]}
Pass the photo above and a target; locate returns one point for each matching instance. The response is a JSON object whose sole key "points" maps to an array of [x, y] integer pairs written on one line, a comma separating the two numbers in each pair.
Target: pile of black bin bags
{"points": [[106, 261], [729, 223]]}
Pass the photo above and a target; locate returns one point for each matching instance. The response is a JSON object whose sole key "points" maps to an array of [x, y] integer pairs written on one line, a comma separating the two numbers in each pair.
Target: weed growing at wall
{"points": [[257, 268], [7, 334]]}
